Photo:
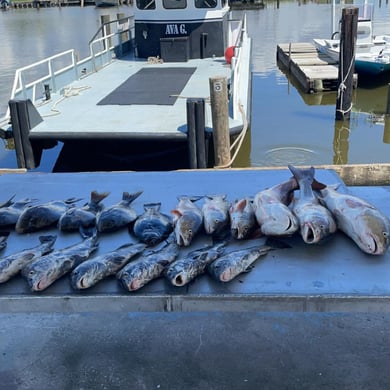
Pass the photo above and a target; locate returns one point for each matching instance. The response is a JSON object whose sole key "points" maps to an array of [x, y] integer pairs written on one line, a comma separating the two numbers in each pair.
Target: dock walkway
{"points": [[315, 71]]}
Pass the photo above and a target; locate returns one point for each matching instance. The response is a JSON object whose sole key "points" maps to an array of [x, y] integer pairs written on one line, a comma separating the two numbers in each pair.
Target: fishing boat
{"points": [[142, 99], [372, 53]]}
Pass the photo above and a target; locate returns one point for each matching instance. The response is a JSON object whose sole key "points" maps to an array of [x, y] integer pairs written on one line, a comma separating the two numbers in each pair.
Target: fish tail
{"points": [[302, 173], [127, 197], [193, 198], [9, 202], [97, 197]]}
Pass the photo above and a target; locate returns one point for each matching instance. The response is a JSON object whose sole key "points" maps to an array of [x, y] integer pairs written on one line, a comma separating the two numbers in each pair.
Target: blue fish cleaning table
{"points": [[334, 276]]}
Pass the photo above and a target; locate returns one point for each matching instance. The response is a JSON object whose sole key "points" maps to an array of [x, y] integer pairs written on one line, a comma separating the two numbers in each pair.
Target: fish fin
{"points": [[239, 204], [154, 206], [126, 196], [8, 202], [191, 198], [317, 185], [176, 213], [47, 238], [72, 200]]}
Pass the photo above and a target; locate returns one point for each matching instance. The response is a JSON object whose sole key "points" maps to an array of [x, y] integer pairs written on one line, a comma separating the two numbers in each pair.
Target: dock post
{"points": [[24, 117], [346, 62], [219, 113], [196, 133]]}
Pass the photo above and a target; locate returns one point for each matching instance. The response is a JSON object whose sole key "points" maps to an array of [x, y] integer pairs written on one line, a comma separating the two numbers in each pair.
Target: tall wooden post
{"points": [[346, 62], [220, 119]]}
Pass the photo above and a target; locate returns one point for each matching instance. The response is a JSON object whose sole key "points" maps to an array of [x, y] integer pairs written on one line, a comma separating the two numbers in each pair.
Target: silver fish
{"points": [[44, 271], [228, 266], [215, 212], [316, 222], [361, 221], [152, 226], [91, 271], [242, 218], [187, 220], [149, 266], [272, 213], [85, 216], [3, 240], [12, 264], [185, 269], [118, 215], [42, 215], [10, 212]]}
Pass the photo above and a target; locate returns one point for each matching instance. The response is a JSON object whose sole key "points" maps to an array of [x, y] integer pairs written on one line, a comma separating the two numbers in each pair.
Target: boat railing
{"points": [[50, 75], [238, 67]]}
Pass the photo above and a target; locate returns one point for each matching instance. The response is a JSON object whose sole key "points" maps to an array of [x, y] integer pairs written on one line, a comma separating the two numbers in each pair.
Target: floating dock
{"points": [[314, 71]]}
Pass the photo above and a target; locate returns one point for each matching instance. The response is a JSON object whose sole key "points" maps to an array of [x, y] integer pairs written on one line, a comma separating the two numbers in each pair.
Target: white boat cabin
{"points": [[179, 30]]}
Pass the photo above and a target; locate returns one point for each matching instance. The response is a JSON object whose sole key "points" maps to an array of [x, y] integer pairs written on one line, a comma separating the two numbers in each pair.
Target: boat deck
{"points": [[75, 114], [333, 276]]}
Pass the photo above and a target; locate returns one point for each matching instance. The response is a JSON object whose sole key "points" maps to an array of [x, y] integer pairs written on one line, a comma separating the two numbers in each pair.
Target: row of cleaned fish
{"points": [[133, 264], [317, 212]]}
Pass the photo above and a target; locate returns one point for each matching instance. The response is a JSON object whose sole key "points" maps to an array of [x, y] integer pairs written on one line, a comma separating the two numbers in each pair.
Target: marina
{"points": [[305, 317]]}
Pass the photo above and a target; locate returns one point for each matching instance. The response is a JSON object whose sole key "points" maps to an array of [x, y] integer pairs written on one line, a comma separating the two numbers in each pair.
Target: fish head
{"points": [[133, 279], [316, 230], [38, 276], [186, 228], [220, 271], [86, 275], [214, 222], [33, 219], [374, 237], [278, 220]]}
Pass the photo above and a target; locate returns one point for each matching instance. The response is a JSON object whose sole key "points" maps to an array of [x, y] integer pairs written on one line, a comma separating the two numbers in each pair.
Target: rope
{"points": [[68, 92], [239, 140], [342, 86]]}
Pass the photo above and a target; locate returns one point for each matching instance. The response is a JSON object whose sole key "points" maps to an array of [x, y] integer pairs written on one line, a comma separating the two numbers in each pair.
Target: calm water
{"points": [[287, 126]]}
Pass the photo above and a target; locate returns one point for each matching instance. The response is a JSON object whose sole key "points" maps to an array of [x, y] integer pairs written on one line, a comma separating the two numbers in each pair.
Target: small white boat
{"points": [[372, 53], [140, 93]]}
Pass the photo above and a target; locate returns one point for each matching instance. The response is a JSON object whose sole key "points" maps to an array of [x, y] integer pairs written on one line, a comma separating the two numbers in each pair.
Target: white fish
{"points": [[361, 221], [316, 222], [272, 212], [242, 218], [187, 220], [215, 212]]}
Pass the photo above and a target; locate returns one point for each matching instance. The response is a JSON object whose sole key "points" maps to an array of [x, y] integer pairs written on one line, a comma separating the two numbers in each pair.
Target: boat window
{"points": [[205, 3], [174, 4], [146, 4]]}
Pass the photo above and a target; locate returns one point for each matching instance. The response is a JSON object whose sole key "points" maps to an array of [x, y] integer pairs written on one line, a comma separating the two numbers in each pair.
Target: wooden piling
{"points": [[346, 62], [219, 113]]}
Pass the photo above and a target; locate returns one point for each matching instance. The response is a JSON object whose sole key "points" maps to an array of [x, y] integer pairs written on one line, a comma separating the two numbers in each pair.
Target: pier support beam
{"points": [[220, 119], [346, 62]]}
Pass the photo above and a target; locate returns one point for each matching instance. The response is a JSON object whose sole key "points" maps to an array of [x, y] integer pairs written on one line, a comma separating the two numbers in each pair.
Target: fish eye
{"points": [[31, 273], [385, 234]]}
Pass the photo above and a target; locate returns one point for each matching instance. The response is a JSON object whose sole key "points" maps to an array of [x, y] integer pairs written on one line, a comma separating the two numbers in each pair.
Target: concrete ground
{"points": [[197, 351]]}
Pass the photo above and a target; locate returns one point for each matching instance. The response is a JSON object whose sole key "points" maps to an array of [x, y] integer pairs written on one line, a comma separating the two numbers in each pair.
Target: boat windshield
{"points": [[177, 4]]}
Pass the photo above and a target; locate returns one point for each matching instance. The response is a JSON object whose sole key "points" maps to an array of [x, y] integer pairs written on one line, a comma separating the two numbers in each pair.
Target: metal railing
{"points": [[31, 81]]}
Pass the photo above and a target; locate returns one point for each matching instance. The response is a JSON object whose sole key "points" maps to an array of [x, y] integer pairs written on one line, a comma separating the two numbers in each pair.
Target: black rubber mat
{"points": [[150, 86]]}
